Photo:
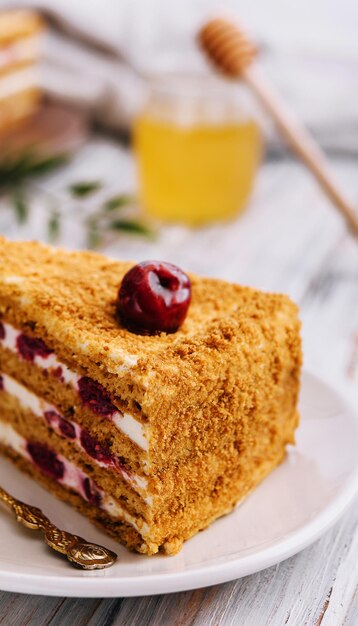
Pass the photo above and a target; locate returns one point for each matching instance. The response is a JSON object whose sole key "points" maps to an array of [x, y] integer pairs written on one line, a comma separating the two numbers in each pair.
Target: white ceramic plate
{"points": [[296, 504]]}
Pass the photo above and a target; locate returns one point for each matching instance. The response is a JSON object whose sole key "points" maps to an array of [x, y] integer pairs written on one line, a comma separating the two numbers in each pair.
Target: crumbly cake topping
{"points": [[73, 295]]}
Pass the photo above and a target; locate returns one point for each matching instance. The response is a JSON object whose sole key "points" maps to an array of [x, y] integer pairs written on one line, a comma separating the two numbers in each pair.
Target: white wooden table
{"points": [[289, 240]]}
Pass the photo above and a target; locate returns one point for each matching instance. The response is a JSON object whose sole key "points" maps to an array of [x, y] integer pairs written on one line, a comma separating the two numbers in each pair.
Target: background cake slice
{"points": [[20, 47], [152, 437]]}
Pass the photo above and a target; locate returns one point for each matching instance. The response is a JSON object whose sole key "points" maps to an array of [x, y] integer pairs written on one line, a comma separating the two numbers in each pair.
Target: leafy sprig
{"points": [[18, 199], [17, 172], [54, 225], [117, 202], [109, 219], [84, 188]]}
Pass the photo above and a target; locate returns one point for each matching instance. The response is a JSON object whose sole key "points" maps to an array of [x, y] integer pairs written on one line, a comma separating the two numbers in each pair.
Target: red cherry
{"points": [[154, 297], [29, 347], [92, 494], [46, 459], [55, 420], [94, 448], [95, 396]]}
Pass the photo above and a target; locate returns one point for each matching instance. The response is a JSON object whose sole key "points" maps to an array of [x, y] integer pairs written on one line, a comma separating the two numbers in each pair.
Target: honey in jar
{"points": [[197, 149]]}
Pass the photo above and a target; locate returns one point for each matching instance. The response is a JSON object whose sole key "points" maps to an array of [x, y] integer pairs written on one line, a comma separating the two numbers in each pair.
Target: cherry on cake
{"points": [[151, 401]]}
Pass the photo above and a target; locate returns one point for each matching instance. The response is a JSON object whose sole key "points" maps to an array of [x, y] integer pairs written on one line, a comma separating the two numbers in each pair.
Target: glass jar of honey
{"points": [[198, 149]]}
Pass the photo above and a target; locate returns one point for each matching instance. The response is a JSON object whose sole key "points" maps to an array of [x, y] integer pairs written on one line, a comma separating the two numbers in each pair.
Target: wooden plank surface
{"points": [[289, 240]]}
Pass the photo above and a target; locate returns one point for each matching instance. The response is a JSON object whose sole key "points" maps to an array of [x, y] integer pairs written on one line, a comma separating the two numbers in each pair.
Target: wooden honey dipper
{"points": [[233, 54]]}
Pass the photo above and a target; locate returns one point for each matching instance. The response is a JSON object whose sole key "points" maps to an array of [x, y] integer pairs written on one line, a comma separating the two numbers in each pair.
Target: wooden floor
{"points": [[291, 240]]}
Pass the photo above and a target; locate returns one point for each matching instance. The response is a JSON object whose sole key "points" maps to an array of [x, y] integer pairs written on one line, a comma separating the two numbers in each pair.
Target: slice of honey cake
{"points": [[151, 402], [20, 46]]}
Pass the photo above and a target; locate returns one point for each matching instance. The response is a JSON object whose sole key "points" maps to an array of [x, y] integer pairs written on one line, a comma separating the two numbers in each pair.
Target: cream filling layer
{"points": [[126, 423], [25, 51], [73, 478], [17, 82], [39, 407]]}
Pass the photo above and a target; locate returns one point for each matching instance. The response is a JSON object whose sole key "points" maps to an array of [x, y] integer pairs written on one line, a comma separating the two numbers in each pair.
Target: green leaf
{"points": [[93, 238], [53, 226], [117, 202], [13, 171], [84, 188], [131, 226], [20, 206], [43, 166]]}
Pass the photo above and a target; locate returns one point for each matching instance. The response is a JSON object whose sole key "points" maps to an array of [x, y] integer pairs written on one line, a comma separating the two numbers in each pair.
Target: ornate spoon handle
{"points": [[78, 551]]}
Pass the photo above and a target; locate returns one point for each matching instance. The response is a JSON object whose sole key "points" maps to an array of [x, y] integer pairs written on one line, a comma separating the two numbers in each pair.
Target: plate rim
{"points": [[199, 576]]}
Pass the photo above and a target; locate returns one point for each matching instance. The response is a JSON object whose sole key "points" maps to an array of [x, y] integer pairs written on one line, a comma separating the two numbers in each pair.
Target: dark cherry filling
{"points": [[67, 429], [29, 347], [1, 383], [93, 496], [2, 331], [54, 419], [46, 460], [96, 397], [57, 373], [94, 449], [121, 465]]}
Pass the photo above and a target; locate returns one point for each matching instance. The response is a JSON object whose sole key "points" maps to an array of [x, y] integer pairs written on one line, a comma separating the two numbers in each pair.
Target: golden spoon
{"points": [[79, 552], [234, 54]]}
